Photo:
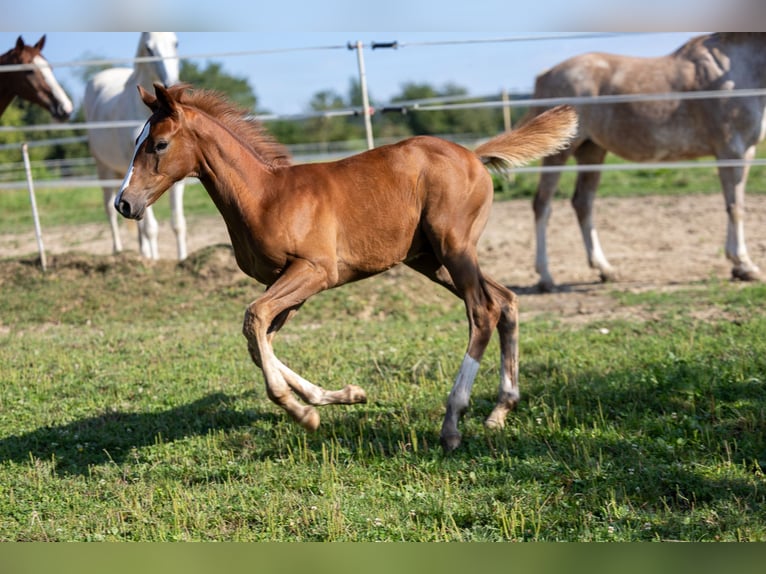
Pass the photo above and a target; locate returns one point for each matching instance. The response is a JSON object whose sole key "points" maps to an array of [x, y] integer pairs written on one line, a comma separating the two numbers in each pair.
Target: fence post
{"points": [[33, 202], [365, 97], [506, 110]]}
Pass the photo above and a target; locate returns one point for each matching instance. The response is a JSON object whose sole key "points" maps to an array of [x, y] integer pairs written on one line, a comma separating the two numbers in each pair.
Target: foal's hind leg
{"points": [[465, 280], [508, 331]]}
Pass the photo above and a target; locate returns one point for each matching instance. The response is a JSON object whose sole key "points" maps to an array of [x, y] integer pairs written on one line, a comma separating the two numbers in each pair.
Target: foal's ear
{"points": [[19, 44], [40, 43], [149, 99], [164, 99]]}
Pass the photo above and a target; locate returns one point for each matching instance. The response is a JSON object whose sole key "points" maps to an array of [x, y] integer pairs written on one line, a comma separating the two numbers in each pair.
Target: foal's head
{"points": [[37, 84], [162, 155], [166, 150]]}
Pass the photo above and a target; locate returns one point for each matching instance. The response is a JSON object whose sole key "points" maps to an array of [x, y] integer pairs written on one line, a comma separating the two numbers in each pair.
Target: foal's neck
{"points": [[231, 172]]}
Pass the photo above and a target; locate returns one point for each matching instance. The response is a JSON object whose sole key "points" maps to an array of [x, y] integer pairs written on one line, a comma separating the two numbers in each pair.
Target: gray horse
{"points": [[657, 130]]}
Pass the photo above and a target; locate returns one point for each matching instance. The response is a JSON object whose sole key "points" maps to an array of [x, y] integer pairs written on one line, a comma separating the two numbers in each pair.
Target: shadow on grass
{"points": [[111, 437]]}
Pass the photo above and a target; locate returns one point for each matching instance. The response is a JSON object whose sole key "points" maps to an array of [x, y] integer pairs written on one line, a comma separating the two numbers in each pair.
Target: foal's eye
{"points": [[160, 146]]}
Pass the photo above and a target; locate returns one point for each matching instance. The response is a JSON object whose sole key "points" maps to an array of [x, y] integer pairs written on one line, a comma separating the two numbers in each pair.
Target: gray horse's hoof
{"points": [[743, 274], [609, 276], [546, 286]]}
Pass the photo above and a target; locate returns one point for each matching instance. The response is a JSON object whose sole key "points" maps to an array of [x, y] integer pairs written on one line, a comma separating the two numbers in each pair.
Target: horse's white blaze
{"points": [[58, 92], [126, 182]]}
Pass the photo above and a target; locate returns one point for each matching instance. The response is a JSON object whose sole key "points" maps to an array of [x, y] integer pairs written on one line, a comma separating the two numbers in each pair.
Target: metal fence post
{"points": [[365, 97], [33, 202]]}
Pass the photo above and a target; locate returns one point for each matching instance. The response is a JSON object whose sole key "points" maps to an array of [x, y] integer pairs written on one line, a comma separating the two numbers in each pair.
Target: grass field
{"points": [[130, 410]]}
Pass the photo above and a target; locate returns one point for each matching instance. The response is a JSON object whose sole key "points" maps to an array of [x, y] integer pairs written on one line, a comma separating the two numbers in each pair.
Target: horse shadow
{"points": [[113, 436], [573, 287]]}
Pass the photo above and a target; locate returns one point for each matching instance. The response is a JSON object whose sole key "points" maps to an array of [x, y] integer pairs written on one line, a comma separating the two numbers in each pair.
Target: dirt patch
{"points": [[656, 243]]}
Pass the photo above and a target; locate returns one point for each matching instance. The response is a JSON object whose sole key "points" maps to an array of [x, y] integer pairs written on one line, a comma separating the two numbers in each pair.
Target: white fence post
{"points": [[33, 202], [365, 97]]}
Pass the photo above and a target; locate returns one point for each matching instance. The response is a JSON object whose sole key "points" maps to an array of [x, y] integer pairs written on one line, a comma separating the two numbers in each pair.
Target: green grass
{"points": [[130, 410], [82, 205]]}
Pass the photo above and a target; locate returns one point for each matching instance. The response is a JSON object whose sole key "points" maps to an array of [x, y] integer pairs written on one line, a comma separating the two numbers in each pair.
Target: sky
{"points": [[285, 82], [482, 62]]}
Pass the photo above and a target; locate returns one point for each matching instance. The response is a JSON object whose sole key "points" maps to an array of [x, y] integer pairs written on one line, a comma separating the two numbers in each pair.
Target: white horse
{"points": [[112, 95]]}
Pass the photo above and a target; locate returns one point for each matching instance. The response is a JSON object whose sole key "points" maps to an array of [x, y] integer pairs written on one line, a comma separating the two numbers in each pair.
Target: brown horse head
{"points": [[37, 84], [161, 160]]}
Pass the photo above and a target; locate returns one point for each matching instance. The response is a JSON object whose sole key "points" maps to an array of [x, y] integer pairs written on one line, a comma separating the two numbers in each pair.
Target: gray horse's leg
{"points": [[546, 189], [582, 201], [733, 180], [177, 219], [148, 230], [111, 212]]}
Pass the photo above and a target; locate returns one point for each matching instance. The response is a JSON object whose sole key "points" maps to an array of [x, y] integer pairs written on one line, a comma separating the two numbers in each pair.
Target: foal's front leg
{"points": [[264, 318]]}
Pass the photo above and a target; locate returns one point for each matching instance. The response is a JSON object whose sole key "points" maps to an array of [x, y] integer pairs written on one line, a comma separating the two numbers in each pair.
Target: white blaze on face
{"points": [[126, 182], [58, 92]]}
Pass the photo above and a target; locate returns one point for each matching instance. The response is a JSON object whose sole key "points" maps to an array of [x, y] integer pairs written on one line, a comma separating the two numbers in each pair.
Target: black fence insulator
{"points": [[394, 45], [394, 109]]}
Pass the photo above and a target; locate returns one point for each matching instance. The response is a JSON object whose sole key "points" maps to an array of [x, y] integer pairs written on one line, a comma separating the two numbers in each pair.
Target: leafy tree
{"points": [[213, 77], [444, 122], [326, 128], [22, 113]]}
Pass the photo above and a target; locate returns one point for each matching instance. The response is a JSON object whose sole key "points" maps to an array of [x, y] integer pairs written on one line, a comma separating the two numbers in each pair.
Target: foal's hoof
{"points": [[746, 274], [309, 419], [450, 442], [355, 394]]}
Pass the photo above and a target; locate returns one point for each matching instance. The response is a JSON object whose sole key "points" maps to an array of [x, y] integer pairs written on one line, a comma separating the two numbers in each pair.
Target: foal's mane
{"points": [[237, 120]]}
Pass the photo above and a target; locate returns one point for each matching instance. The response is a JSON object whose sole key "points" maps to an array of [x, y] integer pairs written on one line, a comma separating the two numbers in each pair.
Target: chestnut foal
{"points": [[301, 229]]}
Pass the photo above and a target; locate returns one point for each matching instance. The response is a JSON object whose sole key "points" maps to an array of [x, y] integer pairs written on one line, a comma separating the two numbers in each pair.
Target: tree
{"points": [[445, 122], [213, 77]]}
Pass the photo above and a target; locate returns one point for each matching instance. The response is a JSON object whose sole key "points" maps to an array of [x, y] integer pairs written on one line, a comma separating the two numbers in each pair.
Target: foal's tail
{"points": [[541, 136]]}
